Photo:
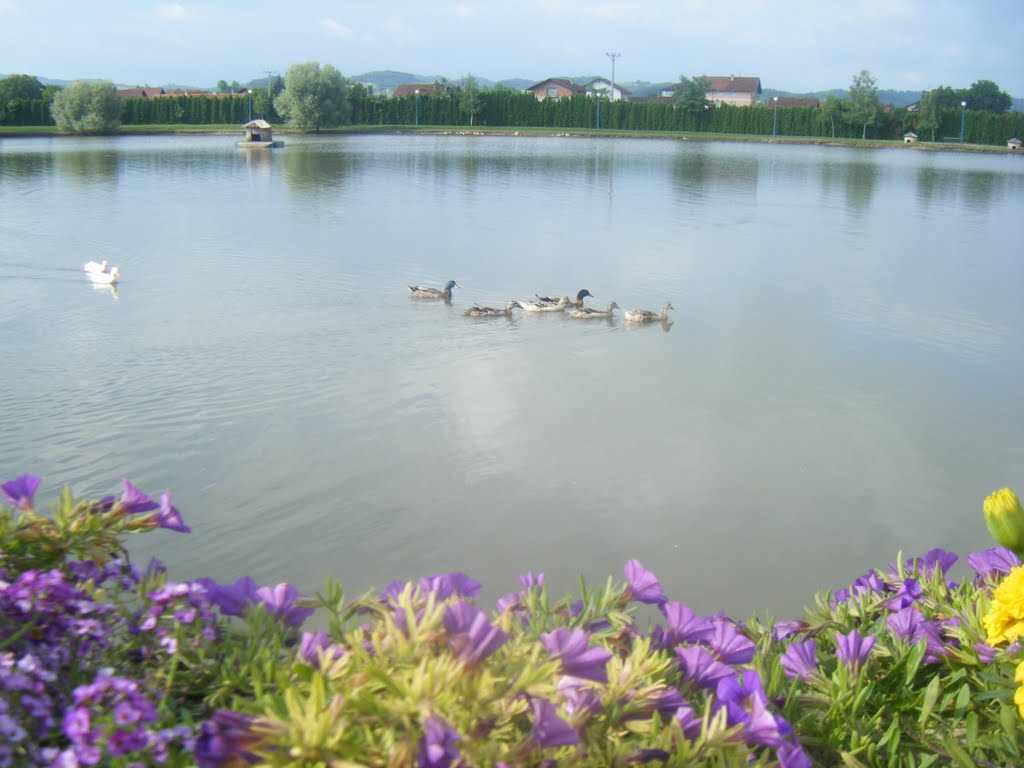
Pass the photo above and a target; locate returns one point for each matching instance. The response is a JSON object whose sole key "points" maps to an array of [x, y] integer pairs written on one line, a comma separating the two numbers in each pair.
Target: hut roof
{"points": [[258, 123]]}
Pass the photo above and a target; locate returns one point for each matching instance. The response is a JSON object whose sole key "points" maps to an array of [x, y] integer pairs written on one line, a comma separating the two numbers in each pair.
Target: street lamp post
{"points": [[613, 57], [598, 96], [250, 105], [417, 92], [963, 112], [775, 115]]}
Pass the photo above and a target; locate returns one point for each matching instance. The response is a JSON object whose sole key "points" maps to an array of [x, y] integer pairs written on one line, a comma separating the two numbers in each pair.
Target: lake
{"points": [[842, 380]]}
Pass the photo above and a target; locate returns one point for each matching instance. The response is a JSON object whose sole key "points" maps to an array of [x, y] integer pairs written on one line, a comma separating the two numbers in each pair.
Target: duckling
{"points": [[94, 266], [647, 315], [106, 278], [540, 306], [587, 313], [477, 311], [578, 303], [423, 292]]}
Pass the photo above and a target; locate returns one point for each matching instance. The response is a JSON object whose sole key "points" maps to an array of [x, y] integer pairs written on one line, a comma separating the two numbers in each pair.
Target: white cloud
{"points": [[8, 7], [336, 29], [173, 11]]}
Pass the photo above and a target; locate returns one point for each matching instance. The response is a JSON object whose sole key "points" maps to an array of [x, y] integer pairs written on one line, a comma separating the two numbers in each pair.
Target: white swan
{"points": [[93, 266], [106, 278]]}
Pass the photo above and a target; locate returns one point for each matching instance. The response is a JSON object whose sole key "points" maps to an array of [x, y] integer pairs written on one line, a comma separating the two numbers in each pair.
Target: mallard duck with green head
{"points": [[425, 292]]}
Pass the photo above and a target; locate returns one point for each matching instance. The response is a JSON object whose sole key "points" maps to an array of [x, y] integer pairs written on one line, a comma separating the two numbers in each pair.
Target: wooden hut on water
{"points": [[259, 134]]}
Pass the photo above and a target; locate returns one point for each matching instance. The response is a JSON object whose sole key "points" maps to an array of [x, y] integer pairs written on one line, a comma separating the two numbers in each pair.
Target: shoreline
{"points": [[29, 132]]}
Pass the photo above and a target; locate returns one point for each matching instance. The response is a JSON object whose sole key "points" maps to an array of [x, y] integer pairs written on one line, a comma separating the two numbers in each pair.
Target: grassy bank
{"points": [[233, 130]]}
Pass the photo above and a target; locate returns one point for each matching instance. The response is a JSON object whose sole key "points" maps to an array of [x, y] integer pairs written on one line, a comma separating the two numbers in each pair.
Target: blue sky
{"points": [[793, 45]]}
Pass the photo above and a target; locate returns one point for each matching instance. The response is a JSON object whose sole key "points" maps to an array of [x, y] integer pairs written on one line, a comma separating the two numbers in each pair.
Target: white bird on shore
{"points": [[106, 278], [95, 266]]}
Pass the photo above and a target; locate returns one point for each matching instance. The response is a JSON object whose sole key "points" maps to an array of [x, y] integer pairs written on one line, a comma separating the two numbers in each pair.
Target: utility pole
{"points": [[268, 73], [613, 57]]}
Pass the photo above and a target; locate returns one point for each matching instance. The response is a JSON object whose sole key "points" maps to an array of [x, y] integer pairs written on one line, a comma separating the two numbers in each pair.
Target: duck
{"points": [[95, 266], [477, 311], [424, 292], [540, 306], [647, 315], [106, 278], [587, 313], [580, 295]]}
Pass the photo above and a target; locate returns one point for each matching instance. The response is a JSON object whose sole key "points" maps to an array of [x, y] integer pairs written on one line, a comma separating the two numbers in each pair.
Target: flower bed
{"points": [[102, 663]]}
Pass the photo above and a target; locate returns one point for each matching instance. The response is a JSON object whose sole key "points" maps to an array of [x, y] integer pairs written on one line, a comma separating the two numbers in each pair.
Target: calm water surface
{"points": [[842, 381]]}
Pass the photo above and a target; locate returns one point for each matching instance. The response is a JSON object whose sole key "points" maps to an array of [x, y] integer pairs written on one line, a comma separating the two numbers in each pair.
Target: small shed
{"points": [[258, 130], [1014, 143], [910, 138]]}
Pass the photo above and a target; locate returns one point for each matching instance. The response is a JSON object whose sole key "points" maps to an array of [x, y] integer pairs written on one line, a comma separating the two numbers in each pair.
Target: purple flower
{"points": [[281, 602], [312, 643], [225, 739], [549, 730], [729, 645], [792, 755], [905, 624], [444, 585], [688, 721], [21, 491], [746, 704], [853, 649], [934, 559], [867, 584], [682, 626], [642, 585], [471, 637], [231, 599], [986, 653], [168, 517], [577, 660], [783, 629], [529, 580], [580, 696], [134, 501], [700, 666], [907, 594], [437, 747], [992, 562], [800, 660]]}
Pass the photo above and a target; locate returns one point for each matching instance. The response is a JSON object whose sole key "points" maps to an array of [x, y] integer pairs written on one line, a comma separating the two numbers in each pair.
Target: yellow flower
{"points": [[1019, 675], [1018, 699], [1004, 621], [1005, 519]]}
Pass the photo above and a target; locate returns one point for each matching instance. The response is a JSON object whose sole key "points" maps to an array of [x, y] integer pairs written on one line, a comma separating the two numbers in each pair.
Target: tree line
{"points": [[312, 97]]}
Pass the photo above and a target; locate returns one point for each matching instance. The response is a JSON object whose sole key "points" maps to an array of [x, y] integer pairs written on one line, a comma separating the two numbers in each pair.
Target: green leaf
{"points": [[931, 694], [914, 658], [959, 754]]}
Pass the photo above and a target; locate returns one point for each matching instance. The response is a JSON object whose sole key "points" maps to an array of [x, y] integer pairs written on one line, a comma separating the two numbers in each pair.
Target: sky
{"points": [[792, 45]]}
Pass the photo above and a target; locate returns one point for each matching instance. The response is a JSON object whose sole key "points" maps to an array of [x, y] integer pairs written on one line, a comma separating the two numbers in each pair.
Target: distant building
{"points": [[425, 89], [796, 101], [556, 88], [738, 91], [602, 86], [140, 93], [1013, 143], [910, 138]]}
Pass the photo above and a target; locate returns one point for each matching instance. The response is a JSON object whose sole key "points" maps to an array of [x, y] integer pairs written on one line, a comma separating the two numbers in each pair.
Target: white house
{"points": [[603, 86]]}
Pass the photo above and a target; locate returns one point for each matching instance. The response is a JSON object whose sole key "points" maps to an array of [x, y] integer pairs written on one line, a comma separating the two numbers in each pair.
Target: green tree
{"points": [[314, 97], [470, 101], [222, 86], [985, 96], [17, 91], [691, 94], [831, 109], [85, 107], [947, 98], [864, 100], [928, 113]]}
